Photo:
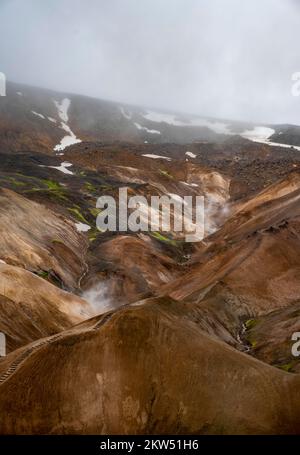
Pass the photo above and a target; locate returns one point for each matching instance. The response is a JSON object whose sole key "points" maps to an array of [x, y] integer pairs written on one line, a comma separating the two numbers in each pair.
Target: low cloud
{"points": [[223, 58]]}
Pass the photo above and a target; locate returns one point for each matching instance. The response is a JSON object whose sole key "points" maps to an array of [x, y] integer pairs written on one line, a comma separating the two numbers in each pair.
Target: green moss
{"points": [[165, 173], [105, 187], [286, 367], [93, 234], [162, 238], [54, 188], [56, 194], [52, 185], [43, 274], [75, 211], [250, 323], [95, 212], [57, 241], [90, 187], [16, 182]]}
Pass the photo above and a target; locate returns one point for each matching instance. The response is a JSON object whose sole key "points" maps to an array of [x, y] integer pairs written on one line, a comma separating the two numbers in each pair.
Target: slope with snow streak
{"points": [[156, 157], [38, 114], [160, 117], [70, 138], [125, 114], [190, 154], [63, 168], [259, 134], [262, 134], [144, 128]]}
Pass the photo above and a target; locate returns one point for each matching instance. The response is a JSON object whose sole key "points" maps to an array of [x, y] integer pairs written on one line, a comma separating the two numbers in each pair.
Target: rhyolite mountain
{"points": [[144, 333], [38, 120]]}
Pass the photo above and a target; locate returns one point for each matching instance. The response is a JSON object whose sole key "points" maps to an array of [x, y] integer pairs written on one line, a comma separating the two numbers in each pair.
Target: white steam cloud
{"points": [[98, 296]]}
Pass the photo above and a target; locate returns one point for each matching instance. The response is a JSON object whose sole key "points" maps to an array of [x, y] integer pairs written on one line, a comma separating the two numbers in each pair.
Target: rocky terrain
{"points": [[144, 333], [44, 121]]}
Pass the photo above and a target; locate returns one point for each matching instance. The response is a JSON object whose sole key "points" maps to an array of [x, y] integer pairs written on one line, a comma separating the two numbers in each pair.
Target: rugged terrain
{"points": [[42, 120], [138, 333]]}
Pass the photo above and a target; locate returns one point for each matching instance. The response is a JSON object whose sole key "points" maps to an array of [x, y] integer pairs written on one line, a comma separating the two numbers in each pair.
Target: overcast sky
{"points": [[223, 58]]}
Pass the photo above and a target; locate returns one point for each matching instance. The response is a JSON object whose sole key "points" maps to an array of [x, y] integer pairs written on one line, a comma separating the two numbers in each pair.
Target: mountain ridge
{"points": [[38, 123]]}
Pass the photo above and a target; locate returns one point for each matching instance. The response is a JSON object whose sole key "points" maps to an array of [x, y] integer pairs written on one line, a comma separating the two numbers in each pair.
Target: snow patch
{"points": [[191, 155], [125, 114], [144, 128], [62, 109], [261, 134], [277, 144], [38, 115], [190, 184], [63, 167], [258, 134], [162, 118], [51, 119], [70, 138], [20, 93], [217, 127], [151, 155], [82, 227]]}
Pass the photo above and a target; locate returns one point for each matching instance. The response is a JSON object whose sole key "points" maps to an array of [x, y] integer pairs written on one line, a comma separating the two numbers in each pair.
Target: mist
{"points": [[221, 58], [99, 297]]}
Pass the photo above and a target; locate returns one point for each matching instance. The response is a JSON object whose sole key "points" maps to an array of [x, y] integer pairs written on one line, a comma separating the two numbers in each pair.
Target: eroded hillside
{"points": [[144, 332]]}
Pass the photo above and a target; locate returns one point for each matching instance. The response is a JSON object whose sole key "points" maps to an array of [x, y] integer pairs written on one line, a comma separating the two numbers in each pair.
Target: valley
{"points": [[142, 332]]}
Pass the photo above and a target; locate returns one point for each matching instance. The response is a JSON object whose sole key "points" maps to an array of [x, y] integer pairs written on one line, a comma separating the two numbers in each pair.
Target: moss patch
{"points": [[52, 185], [286, 367], [43, 274], [162, 238], [250, 323], [58, 241], [95, 212], [52, 188], [165, 173], [76, 212], [16, 182], [90, 187]]}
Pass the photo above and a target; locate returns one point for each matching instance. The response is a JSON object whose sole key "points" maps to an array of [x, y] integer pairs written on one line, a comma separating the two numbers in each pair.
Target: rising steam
{"points": [[98, 296]]}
